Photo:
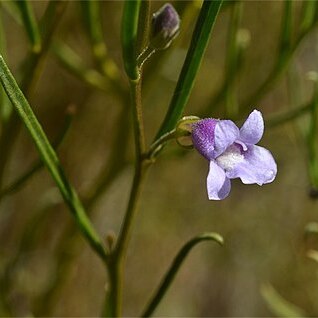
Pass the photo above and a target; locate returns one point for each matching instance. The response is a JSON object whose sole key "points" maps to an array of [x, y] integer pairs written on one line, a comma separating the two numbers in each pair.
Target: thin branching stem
{"points": [[117, 257]]}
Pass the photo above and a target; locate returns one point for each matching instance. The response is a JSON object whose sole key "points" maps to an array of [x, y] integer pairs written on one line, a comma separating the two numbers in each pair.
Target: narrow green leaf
{"points": [[171, 273], [129, 30], [30, 24], [49, 157], [278, 305], [199, 42]]}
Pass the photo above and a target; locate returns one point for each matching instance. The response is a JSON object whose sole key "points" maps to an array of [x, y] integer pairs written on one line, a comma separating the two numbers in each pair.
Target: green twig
{"points": [[68, 247], [74, 64], [92, 16], [280, 66], [30, 24], [117, 257], [156, 146], [50, 158], [279, 305], [33, 64], [129, 31], [199, 42], [174, 268]]}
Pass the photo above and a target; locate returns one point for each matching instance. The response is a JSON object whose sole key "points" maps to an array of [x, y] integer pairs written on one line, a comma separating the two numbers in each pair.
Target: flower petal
{"points": [[253, 128], [258, 167], [226, 132], [203, 137], [218, 185]]}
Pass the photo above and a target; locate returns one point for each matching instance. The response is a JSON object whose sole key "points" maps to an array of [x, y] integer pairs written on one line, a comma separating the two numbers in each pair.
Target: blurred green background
{"points": [[263, 227]]}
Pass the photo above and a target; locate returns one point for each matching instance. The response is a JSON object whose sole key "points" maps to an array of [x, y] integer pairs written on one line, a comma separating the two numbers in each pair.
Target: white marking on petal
{"points": [[230, 158]]}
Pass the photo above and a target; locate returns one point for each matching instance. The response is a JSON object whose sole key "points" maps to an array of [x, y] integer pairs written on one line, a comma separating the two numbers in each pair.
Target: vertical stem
{"points": [[117, 258], [116, 262]]}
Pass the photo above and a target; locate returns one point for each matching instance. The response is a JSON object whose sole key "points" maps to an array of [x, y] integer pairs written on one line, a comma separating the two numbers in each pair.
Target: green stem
{"points": [[160, 142], [73, 63], [117, 257], [175, 266], [191, 65], [277, 71], [50, 158], [30, 24], [92, 16], [139, 167], [33, 64], [69, 238]]}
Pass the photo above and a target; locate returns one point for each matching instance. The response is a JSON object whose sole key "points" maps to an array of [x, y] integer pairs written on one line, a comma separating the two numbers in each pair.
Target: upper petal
{"points": [[218, 185], [258, 166], [226, 132], [253, 128]]}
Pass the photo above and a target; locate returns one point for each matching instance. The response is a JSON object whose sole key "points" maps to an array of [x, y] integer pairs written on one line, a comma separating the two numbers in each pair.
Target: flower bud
{"points": [[165, 27]]}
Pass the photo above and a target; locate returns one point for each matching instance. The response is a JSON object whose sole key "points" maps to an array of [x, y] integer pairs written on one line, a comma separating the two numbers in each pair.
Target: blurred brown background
{"points": [[263, 227]]}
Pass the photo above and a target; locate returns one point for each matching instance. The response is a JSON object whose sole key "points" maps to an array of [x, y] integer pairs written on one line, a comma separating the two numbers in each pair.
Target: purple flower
{"points": [[233, 153]]}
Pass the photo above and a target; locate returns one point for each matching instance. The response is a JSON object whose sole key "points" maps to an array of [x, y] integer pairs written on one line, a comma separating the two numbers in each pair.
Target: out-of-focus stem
{"points": [[30, 24], [115, 163], [289, 115], [33, 69], [38, 165], [50, 159], [73, 63], [312, 142], [68, 247], [231, 61], [278, 70], [92, 16], [30, 235]]}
